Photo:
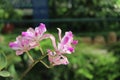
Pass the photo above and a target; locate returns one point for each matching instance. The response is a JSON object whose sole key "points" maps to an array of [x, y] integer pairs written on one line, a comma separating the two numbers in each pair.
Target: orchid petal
{"points": [[69, 34], [14, 45], [29, 34], [65, 40], [19, 52], [75, 42], [65, 45], [31, 30], [40, 29], [56, 59], [20, 45], [45, 36], [60, 59], [59, 33], [68, 38], [71, 49], [19, 38]]}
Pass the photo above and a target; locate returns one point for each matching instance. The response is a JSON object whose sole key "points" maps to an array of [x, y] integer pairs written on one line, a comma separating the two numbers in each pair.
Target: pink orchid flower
{"points": [[35, 35], [66, 42], [20, 45], [64, 46], [56, 59]]}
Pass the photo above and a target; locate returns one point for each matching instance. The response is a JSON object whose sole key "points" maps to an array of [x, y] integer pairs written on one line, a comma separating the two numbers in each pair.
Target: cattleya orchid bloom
{"points": [[34, 36], [20, 45], [65, 44], [29, 39], [64, 47]]}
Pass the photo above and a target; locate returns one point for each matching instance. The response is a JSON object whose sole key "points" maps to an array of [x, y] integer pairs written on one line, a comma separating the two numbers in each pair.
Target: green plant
{"points": [[7, 11], [3, 63], [86, 15], [115, 47], [94, 64]]}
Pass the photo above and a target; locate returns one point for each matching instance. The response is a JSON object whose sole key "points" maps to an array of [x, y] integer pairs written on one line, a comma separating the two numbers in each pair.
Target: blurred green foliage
{"points": [[84, 8], [8, 12], [3, 63], [92, 12], [7, 58], [95, 64], [3, 60]]}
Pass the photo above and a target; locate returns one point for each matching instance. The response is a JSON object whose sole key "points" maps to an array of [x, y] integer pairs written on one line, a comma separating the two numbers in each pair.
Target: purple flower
{"points": [[29, 39], [34, 36], [66, 42], [64, 46], [20, 45]]}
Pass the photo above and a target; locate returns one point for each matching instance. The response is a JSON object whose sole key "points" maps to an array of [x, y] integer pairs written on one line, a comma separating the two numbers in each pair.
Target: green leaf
{"points": [[85, 73], [3, 61], [4, 73]]}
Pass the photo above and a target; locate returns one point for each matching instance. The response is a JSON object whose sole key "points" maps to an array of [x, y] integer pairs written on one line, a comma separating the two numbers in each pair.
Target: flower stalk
{"points": [[30, 57], [41, 50], [28, 69], [45, 64], [33, 64]]}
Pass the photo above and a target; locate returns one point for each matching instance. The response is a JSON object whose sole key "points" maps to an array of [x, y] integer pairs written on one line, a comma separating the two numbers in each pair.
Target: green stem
{"points": [[41, 50], [32, 65], [43, 56], [44, 64], [40, 59], [28, 69], [30, 56]]}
